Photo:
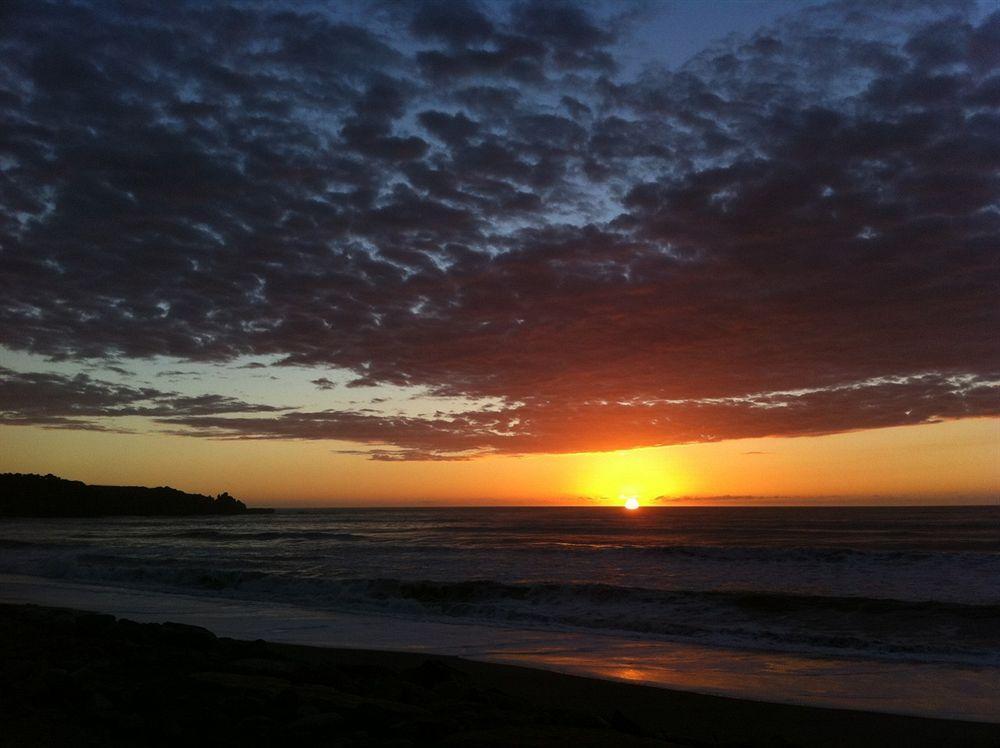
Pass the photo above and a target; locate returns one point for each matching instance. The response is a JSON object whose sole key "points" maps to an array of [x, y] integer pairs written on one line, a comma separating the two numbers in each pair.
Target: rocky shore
{"points": [[74, 678]]}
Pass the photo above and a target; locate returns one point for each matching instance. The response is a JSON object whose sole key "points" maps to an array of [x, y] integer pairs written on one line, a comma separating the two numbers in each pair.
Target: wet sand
{"points": [[74, 678]]}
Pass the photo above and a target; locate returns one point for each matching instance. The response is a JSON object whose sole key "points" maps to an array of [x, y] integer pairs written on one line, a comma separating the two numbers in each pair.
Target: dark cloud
{"points": [[323, 383], [451, 128], [485, 208], [453, 21], [605, 425], [57, 401], [120, 370], [565, 24]]}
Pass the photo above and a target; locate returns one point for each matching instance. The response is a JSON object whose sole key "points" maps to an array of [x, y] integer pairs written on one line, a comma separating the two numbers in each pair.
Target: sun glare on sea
{"points": [[631, 503]]}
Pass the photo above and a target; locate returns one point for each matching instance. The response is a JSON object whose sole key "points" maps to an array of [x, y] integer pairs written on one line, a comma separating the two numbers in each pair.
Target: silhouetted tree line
{"points": [[28, 495]]}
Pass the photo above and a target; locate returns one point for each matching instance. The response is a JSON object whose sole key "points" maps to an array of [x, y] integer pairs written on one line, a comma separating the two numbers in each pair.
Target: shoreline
{"points": [[70, 673], [924, 690]]}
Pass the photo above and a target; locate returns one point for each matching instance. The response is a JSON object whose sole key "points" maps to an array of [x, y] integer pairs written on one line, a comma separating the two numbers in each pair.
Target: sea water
{"points": [[814, 605]]}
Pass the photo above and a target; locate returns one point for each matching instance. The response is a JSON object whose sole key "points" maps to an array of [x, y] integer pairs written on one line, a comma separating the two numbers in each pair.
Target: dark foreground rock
{"points": [[72, 678], [27, 495]]}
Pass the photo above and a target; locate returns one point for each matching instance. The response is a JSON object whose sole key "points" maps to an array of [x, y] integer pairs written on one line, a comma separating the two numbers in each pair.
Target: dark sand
{"points": [[73, 678]]}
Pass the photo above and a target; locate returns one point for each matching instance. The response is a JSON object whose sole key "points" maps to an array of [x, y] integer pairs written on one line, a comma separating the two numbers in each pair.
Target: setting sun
{"points": [[613, 477], [631, 503]]}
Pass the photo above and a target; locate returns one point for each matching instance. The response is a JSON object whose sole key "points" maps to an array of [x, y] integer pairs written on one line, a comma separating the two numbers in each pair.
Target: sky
{"points": [[503, 252]]}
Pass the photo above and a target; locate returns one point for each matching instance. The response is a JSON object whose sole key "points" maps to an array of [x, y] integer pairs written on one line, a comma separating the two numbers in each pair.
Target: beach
{"points": [[871, 610], [73, 677]]}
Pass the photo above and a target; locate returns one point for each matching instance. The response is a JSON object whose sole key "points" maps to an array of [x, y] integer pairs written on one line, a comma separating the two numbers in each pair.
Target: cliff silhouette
{"points": [[29, 495]]}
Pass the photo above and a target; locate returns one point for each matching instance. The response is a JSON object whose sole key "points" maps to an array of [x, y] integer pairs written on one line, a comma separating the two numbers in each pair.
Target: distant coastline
{"points": [[30, 495]]}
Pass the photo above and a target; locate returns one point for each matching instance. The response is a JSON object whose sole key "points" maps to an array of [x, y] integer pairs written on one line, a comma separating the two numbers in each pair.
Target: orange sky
{"points": [[951, 462]]}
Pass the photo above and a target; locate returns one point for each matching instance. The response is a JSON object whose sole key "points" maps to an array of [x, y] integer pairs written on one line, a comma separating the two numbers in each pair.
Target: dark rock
{"points": [[129, 723], [136, 631], [183, 634], [100, 702], [380, 712], [94, 624], [57, 684], [89, 672], [623, 724], [318, 723], [257, 725], [258, 685], [287, 701], [431, 673], [264, 666]]}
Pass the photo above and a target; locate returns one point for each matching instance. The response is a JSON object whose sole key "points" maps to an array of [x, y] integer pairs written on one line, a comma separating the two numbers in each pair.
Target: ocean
{"points": [[722, 600]]}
